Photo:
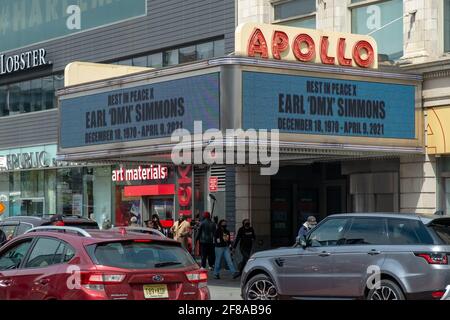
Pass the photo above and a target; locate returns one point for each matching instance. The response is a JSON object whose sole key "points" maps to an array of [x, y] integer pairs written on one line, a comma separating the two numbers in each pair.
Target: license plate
{"points": [[156, 291]]}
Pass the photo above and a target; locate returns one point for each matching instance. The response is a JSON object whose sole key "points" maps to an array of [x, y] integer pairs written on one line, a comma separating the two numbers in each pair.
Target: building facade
{"points": [[39, 39], [411, 37]]}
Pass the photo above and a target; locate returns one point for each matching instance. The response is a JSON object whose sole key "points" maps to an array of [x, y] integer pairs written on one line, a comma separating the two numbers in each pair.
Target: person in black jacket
{"points": [[245, 238], [223, 244], [205, 235]]}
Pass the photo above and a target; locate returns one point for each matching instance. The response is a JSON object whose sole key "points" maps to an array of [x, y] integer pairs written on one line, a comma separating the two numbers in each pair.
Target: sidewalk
{"points": [[224, 288]]}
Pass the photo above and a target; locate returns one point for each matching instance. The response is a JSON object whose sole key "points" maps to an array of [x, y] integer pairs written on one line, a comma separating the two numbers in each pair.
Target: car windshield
{"points": [[140, 255]]}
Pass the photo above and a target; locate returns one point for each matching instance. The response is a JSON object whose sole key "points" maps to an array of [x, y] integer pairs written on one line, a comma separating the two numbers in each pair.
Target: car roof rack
{"points": [[79, 231]]}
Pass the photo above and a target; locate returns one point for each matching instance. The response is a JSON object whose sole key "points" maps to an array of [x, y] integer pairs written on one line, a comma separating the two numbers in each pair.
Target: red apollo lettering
{"points": [[310, 46], [343, 61], [357, 56], [324, 51], [258, 45], [280, 43]]}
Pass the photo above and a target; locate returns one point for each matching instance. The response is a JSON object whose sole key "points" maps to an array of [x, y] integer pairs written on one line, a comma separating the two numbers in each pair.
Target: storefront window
{"points": [[384, 22], [69, 200], [126, 207], [26, 196], [4, 194], [98, 191]]}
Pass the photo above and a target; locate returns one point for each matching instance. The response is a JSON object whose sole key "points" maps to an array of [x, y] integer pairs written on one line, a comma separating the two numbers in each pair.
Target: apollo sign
{"points": [[22, 61], [306, 45]]}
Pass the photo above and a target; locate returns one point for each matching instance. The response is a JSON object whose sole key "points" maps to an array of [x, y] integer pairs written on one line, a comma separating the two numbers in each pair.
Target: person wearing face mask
{"points": [[222, 249], [310, 223], [245, 238]]}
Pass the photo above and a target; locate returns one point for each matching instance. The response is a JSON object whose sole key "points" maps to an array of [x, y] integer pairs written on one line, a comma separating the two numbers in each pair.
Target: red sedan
{"points": [[65, 263]]}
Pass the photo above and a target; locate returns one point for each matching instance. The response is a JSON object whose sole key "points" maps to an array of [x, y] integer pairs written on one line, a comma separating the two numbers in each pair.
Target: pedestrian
{"points": [[310, 223], [57, 220], [155, 223], [205, 236], [222, 248], [181, 230], [134, 222], [245, 238]]}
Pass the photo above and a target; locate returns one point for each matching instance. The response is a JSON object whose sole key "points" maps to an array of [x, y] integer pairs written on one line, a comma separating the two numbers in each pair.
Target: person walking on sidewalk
{"points": [[205, 235], [223, 244], [181, 231], [245, 238]]}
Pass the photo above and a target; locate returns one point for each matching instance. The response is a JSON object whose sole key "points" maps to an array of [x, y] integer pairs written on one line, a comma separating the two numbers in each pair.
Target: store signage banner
{"points": [[320, 106], [140, 113], [185, 187], [23, 61], [25, 22], [271, 41]]}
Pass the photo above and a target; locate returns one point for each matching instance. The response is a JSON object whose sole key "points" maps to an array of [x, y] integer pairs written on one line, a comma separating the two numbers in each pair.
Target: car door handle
{"points": [[5, 283], [373, 252], [324, 254]]}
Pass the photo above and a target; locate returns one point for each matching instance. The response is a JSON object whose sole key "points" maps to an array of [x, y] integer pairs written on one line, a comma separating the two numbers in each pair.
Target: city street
{"points": [[303, 143], [225, 288]]}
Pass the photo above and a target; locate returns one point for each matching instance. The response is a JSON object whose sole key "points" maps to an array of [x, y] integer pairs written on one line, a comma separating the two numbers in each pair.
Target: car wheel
{"points": [[260, 287], [386, 290]]}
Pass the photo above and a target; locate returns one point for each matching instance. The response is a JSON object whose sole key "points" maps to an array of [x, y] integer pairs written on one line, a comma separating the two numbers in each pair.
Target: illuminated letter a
{"points": [[258, 45]]}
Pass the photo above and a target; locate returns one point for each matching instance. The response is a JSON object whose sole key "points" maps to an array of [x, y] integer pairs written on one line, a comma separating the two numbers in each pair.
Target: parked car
{"points": [[67, 263], [16, 226], [362, 256], [141, 230]]}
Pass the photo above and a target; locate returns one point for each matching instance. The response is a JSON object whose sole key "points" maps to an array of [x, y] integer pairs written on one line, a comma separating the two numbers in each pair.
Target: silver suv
{"points": [[387, 256]]}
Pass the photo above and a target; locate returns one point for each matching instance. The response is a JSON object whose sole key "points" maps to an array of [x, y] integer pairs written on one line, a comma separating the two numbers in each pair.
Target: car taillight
{"points": [[434, 258], [438, 294], [101, 278], [142, 240], [197, 276]]}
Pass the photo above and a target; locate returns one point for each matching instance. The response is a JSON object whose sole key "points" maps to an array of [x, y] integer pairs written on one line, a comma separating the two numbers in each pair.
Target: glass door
{"points": [[32, 207], [164, 208]]}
